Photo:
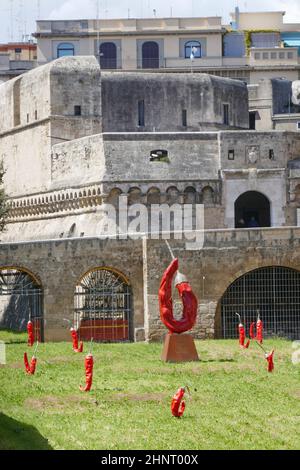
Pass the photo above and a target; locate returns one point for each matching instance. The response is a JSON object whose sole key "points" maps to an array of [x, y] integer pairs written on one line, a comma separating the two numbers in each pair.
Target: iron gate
{"points": [[274, 292], [103, 306], [21, 300]]}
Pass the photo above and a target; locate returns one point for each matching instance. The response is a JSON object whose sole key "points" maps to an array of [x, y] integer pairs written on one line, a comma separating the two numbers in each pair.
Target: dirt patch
{"points": [[59, 404]]}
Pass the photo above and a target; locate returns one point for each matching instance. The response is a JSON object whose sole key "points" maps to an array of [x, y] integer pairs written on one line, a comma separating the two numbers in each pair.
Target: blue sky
{"points": [[25, 12]]}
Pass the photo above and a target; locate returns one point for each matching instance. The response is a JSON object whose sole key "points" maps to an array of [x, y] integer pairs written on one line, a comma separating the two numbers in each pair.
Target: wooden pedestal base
{"points": [[179, 348]]}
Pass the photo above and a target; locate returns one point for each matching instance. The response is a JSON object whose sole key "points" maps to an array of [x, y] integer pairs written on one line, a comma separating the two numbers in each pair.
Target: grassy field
{"points": [[235, 402]]}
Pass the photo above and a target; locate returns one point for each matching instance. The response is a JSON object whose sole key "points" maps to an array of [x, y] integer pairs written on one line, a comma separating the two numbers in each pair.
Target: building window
{"points": [[77, 110], [35, 115], [230, 154], [273, 55], [192, 48], [290, 55], [256, 55], [18, 50], [184, 118], [281, 55], [226, 114], [108, 55], [65, 49], [271, 154], [150, 55], [141, 113], [27, 117], [265, 56]]}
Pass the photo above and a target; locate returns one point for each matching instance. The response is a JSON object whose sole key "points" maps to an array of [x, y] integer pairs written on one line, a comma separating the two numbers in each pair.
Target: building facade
{"points": [[16, 59], [252, 47], [74, 139]]}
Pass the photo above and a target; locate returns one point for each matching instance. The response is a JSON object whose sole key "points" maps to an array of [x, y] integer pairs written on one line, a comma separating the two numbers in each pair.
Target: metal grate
{"points": [[103, 307], [21, 299], [274, 291]]}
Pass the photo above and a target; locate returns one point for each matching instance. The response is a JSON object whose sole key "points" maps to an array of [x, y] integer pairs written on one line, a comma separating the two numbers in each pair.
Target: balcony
{"points": [[273, 56]]}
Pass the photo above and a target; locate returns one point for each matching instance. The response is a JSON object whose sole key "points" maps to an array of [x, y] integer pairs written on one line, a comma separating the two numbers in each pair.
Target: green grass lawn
{"points": [[235, 403]]}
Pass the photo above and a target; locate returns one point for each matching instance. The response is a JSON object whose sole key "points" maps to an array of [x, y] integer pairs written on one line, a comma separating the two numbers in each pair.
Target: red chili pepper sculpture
{"points": [[88, 363], [30, 333], [189, 300], [178, 406], [270, 359], [30, 369], [259, 330], [75, 342], [242, 337]]}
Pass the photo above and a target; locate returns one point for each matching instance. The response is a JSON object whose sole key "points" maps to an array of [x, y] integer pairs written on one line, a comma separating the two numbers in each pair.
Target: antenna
{"points": [[98, 30], [128, 13], [11, 20], [38, 6]]}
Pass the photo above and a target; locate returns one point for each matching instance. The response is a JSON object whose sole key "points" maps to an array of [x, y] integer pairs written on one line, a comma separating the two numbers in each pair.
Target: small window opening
{"points": [[77, 110], [141, 112], [230, 154], [36, 115], [184, 118], [226, 114], [271, 154]]}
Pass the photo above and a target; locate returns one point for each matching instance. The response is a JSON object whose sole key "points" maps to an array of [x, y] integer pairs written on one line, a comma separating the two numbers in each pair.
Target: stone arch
{"points": [[113, 197], [103, 305], [153, 196], [134, 196], [190, 195], [207, 195], [272, 289], [21, 300], [252, 209], [172, 195]]}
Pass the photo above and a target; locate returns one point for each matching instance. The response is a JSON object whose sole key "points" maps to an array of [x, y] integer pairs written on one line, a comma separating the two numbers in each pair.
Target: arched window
{"points": [[102, 302], [21, 299], [150, 55], [192, 47], [274, 291], [252, 209], [108, 55], [65, 49]]}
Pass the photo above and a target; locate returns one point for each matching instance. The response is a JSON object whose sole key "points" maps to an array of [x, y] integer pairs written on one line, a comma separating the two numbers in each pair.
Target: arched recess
{"points": [[252, 209], [153, 196], [103, 306], [274, 291], [108, 55], [21, 300], [150, 55]]}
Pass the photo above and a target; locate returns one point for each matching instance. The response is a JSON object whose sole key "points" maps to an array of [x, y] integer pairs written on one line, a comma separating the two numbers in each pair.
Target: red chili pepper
{"points": [[30, 334], [88, 364], [270, 359], [178, 406], [75, 342], [30, 368], [259, 330], [242, 337], [189, 300]]}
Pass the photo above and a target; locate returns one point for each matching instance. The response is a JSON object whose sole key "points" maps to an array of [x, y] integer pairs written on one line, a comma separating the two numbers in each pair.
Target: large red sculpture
{"points": [[178, 347], [189, 300]]}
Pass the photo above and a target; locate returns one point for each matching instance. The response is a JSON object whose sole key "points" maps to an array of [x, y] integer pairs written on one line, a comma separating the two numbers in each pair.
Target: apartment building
{"points": [[251, 47], [16, 58]]}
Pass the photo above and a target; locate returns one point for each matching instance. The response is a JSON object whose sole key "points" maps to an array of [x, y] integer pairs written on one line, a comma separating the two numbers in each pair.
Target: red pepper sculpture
{"points": [[89, 364], [30, 334], [242, 334], [189, 300], [270, 359], [30, 368], [75, 342], [177, 405], [259, 330]]}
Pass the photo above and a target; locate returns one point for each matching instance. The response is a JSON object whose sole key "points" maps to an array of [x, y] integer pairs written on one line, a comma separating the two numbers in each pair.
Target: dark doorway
{"points": [[252, 120], [272, 291], [252, 209], [150, 55], [108, 55]]}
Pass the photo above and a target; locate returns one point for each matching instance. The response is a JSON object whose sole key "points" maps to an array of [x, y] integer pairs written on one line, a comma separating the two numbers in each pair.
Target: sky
{"points": [[17, 17]]}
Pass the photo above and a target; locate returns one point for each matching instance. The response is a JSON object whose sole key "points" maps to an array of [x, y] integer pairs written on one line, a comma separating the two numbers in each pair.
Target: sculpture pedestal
{"points": [[179, 348]]}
